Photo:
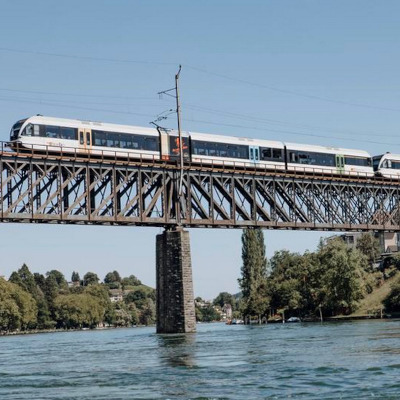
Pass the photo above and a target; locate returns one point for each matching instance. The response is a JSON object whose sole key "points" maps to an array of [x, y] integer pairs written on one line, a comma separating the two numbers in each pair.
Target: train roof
{"points": [[391, 156], [328, 150], [235, 140]]}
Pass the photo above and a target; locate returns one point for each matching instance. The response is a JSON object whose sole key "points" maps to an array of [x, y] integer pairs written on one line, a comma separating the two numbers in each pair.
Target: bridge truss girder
{"points": [[59, 191]]}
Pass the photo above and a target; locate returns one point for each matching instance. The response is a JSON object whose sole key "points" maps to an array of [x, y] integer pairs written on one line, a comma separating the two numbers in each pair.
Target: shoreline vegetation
{"points": [[32, 302], [335, 283]]}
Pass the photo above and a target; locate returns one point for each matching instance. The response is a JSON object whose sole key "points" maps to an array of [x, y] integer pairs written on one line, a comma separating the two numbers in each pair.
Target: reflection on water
{"points": [[177, 350], [353, 360]]}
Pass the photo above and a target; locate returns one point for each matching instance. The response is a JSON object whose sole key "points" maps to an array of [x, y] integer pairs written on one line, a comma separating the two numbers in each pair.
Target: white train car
{"points": [[241, 152], [56, 135], [331, 160], [387, 165]]}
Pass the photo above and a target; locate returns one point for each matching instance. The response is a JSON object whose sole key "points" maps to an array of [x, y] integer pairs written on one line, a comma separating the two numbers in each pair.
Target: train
{"points": [[57, 135]]}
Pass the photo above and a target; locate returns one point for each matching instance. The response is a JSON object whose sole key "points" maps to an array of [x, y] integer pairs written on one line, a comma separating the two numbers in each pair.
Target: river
{"points": [[349, 360]]}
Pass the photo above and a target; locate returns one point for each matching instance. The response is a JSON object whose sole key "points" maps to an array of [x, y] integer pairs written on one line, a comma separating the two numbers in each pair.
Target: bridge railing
{"points": [[125, 157]]}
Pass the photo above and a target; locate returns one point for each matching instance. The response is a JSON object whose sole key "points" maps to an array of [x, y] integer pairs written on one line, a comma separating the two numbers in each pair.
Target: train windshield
{"points": [[15, 129], [375, 162]]}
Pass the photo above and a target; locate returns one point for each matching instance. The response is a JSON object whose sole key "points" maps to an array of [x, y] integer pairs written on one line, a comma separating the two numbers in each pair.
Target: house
{"points": [[389, 242]]}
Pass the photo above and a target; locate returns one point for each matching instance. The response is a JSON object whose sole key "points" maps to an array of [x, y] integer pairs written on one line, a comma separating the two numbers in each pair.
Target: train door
{"points": [[85, 139], [254, 154], [340, 163]]}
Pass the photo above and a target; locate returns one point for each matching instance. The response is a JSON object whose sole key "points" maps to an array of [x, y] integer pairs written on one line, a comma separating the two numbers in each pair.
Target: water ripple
{"points": [[300, 361]]}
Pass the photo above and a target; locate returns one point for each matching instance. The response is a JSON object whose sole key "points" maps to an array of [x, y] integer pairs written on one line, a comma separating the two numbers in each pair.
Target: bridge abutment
{"points": [[175, 299]]}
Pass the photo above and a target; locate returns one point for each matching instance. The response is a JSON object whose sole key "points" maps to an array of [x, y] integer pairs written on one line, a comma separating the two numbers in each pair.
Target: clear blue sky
{"points": [[324, 72]]}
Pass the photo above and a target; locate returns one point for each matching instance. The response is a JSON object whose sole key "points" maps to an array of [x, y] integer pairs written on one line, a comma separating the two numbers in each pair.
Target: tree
{"points": [[59, 278], [34, 284], [342, 279], [18, 308], [78, 311], [209, 314], [90, 278], [140, 295], [148, 313], [253, 273], [75, 277], [25, 279], [392, 300], [368, 245], [225, 298], [112, 277], [131, 280]]}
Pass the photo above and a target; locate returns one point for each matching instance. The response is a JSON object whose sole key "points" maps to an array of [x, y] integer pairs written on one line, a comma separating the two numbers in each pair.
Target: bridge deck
{"points": [[47, 188]]}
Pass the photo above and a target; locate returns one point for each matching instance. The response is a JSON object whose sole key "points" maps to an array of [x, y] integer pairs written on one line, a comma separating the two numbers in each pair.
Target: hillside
{"points": [[372, 303]]}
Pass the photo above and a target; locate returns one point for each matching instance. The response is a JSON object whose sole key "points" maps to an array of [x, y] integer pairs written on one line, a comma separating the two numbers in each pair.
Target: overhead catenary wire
{"points": [[234, 115], [205, 71]]}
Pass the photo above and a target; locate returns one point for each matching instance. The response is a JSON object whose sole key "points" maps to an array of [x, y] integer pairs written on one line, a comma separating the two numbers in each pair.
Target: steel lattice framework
{"points": [[82, 192]]}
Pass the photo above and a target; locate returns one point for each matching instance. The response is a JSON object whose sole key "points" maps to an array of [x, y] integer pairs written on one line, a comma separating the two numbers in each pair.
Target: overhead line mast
{"points": [[180, 139], [178, 113]]}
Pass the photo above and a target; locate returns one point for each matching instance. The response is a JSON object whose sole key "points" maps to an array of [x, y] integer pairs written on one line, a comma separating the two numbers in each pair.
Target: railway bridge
{"points": [[72, 189]]}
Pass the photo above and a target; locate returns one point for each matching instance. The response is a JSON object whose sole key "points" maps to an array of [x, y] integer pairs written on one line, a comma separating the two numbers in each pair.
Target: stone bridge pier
{"points": [[175, 299]]}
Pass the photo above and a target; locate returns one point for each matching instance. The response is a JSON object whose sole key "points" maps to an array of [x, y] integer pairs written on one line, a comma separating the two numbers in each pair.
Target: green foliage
{"points": [[368, 245], [75, 277], [225, 298], [342, 281], [18, 308], [148, 313], [78, 311], [207, 314], [59, 278], [113, 278], [253, 273], [139, 295], [90, 278], [131, 280], [392, 301]]}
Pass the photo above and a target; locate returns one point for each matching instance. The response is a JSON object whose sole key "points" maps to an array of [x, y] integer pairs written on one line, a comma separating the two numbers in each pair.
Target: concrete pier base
{"points": [[175, 300]]}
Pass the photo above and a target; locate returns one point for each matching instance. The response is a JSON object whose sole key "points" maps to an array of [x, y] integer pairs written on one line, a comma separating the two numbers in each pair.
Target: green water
{"points": [[353, 360]]}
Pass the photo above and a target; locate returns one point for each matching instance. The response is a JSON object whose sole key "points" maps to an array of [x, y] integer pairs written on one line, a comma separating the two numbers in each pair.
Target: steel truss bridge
{"points": [[73, 190]]}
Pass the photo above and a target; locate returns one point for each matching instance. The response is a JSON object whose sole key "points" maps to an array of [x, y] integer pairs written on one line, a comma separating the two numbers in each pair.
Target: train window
{"points": [[68, 133], [219, 149], [270, 154], [110, 139], [266, 153], [136, 142], [395, 164], [123, 141], [150, 143], [28, 131], [52, 131], [361, 162], [277, 154], [311, 158], [99, 138]]}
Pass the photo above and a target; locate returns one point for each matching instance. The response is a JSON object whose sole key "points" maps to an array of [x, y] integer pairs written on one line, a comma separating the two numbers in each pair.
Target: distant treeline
{"points": [[41, 302]]}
